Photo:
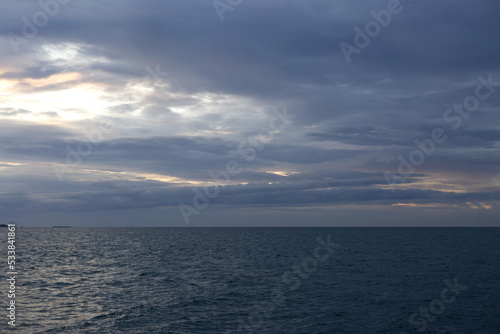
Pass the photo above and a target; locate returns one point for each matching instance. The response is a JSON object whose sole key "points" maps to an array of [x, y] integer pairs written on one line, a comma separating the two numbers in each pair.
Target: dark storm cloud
{"points": [[20, 134], [359, 116], [251, 54], [119, 197], [188, 156], [38, 72], [363, 136], [372, 136]]}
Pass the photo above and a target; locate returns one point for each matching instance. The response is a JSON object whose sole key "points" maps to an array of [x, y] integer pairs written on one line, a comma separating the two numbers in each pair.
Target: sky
{"points": [[250, 113]]}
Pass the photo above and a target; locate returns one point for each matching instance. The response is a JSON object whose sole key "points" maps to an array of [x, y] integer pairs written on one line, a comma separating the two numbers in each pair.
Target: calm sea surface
{"points": [[255, 280]]}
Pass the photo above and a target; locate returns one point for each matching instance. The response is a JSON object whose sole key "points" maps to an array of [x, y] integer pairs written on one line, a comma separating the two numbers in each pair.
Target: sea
{"points": [[254, 280]]}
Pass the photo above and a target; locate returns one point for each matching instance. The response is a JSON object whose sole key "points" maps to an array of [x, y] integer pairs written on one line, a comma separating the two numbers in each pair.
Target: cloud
{"points": [[107, 61]]}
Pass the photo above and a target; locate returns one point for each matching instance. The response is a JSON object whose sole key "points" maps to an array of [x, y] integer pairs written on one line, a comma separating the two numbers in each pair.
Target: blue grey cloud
{"points": [[95, 61]]}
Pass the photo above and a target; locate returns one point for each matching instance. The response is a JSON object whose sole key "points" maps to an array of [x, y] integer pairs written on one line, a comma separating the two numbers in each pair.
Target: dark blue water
{"points": [[241, 280]]}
